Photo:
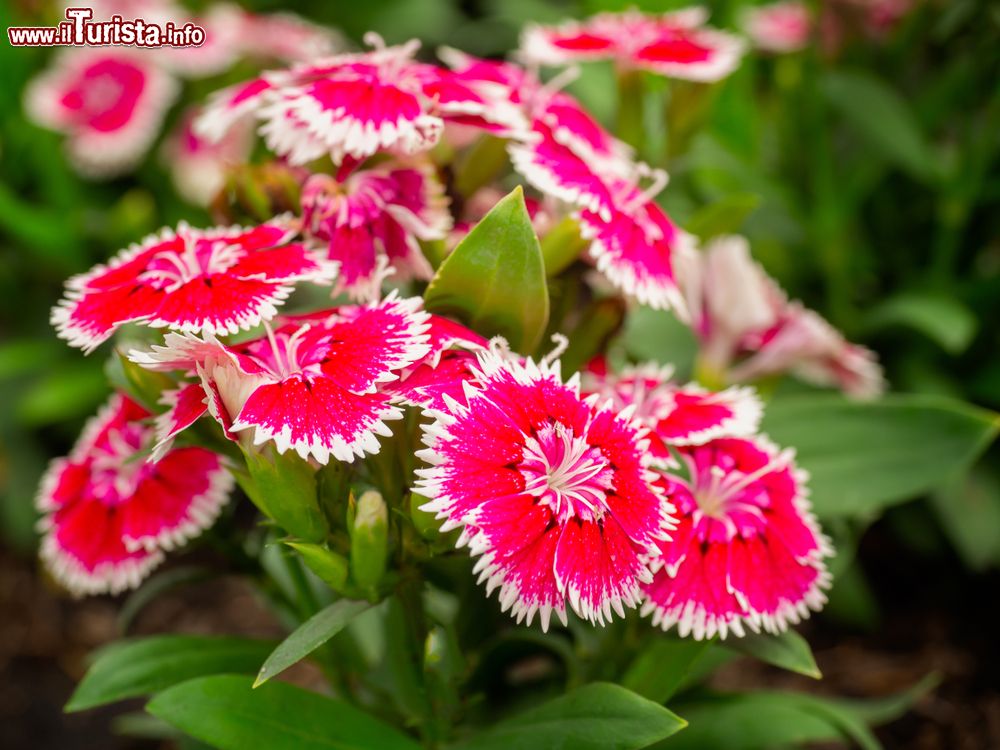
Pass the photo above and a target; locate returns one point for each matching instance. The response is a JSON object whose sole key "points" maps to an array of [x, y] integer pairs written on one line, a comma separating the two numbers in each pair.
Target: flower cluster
{"points": [[606, 491], [111, 101]]}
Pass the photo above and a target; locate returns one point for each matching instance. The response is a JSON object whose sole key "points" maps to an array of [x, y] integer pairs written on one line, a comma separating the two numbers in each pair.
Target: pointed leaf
{"points": [[131, 668], [865, 456], [227, 713], [312, 634], [789, 651], [599, 716], [494, 281], [659, 670]]}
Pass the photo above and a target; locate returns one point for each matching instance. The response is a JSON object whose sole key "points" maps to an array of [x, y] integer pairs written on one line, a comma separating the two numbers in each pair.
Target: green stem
{"points": [[631, 100]]}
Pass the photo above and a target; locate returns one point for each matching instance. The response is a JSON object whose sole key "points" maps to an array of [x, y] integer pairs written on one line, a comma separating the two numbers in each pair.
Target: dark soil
{"points": [[936, 617]]}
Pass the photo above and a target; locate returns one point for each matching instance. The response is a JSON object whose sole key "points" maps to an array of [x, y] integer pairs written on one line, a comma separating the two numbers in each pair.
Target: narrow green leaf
{"points": [[884, 119], [131, 668], [227, 713], [725, 216], [312, 634], [789, 651], [494, 281], [944, 320], [969, 511], [754, 721], [599, 716], [659, 670], [865, 456]]}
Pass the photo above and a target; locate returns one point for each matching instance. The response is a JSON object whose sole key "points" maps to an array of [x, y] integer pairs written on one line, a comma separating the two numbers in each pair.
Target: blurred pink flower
{"points": [[748, 328], [676, 44], [779, 27], [108, 515], [109, 101]]}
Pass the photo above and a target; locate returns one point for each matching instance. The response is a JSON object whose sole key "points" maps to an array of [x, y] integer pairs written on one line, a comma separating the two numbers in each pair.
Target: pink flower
{"points": [[677, 45], [198, 166], [569, 156], [215, 280], [284, 36], [108, 515], [109, 101], [675, 414], [444, 370], [749, 329], [312, 383], [356, 105], [552, 490], [375, 219], [634, 243], [779, 27], [747, 552]]}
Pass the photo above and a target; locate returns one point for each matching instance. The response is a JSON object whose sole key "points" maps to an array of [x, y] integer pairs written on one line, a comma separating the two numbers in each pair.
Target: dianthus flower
{"points": [[110, 102], [310, 384], [217, 280], [779, 27], [374, 219], [552, 491], [749, 328], [198, 166], [108, 514], [676, 44], [747, 551]]}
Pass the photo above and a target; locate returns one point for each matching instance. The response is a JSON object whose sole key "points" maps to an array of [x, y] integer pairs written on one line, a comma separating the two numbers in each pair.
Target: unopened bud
{"points": [[369, 541]]}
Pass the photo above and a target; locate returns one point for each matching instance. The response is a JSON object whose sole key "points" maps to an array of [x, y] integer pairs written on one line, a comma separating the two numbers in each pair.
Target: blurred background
{"points": [[863, 169]]}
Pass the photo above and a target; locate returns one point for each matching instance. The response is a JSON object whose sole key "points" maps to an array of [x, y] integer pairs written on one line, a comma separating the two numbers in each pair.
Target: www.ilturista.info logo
{"points": [[79, 29]]}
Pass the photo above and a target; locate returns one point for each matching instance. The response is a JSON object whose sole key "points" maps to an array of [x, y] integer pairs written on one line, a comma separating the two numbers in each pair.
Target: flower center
{"points": [[566, 474], [170, 270], [116, 467], [719, 492]]}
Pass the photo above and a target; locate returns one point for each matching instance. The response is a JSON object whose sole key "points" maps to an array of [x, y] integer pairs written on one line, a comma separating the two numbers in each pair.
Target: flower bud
{"points": [[331, 567], [369, 541]]}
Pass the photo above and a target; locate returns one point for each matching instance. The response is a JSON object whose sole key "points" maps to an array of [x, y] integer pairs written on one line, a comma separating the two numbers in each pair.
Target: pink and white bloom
{"points": [[676, 44], [285, 36], [552, 491], [675, 414], [110, 103], [779, 27], [634, 243], [352, 106], [199, 166], [444, 370], [747, 553], [748, 328], [312, 383], [374, 220], [108, 514], [218, 280]]}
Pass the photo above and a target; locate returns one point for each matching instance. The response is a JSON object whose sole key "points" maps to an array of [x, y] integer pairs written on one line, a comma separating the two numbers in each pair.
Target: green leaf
{"points": [[884, 119], [659, 670], [131, 668], [331, 567], [865, 456], [599, 716], [755, 721], [944, 320], [657, 336], [494, 281], [228, 714], [283, 486], [789, 651], [725, 216], [969, 511], [312, 634]]}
